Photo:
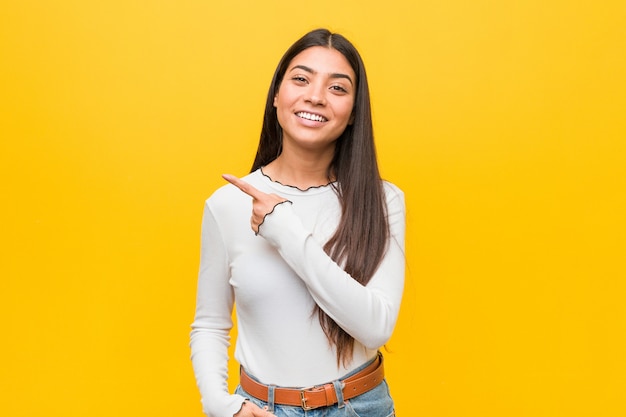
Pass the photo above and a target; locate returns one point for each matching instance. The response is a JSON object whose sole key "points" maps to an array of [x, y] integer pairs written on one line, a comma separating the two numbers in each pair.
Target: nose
{"points": [[317, 94]]}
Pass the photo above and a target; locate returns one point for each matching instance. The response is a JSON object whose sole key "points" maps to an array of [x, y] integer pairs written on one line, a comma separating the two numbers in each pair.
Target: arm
{"points": [[211, 327], [368, 313]]}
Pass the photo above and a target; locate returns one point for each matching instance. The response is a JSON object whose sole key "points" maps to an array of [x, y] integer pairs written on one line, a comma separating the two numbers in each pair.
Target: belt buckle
{"points": [[303, 403]]}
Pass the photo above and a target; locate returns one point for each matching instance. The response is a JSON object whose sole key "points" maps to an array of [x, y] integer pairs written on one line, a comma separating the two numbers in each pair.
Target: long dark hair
{"points": [[360, 241]]}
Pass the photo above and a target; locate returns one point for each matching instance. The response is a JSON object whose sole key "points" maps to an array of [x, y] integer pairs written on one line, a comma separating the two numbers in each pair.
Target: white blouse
{"points": [[276, 278]]}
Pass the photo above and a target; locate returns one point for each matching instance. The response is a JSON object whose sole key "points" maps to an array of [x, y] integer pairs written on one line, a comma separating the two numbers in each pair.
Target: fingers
{"points": [[262, 203], [242, 185], [251, 409], [263, 412]]}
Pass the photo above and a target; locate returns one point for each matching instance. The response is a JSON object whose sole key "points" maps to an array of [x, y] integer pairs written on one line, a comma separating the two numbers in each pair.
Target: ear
{"points": [[275, 99]]}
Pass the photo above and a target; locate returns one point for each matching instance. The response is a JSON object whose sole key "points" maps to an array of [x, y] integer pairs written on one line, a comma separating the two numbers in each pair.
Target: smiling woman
{"points": [[320, 275]]}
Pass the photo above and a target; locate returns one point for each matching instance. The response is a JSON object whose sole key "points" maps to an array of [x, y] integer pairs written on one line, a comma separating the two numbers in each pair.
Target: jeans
{"points": [[374, 403]]}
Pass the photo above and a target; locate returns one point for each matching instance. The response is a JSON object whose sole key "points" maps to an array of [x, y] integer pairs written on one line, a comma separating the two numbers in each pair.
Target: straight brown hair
{"points": [[361, 238]]}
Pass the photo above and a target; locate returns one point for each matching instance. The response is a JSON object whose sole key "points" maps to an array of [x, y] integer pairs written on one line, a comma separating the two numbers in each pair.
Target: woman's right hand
{"points": [[262, 203], [249, 409]]}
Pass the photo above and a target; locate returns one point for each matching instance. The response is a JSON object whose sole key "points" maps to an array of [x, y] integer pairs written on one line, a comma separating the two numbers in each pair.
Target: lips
{"points": [[311, 116]]}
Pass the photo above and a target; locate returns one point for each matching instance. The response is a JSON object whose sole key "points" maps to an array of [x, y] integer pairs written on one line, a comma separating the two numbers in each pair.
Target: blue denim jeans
{"points": [[374, 403]]}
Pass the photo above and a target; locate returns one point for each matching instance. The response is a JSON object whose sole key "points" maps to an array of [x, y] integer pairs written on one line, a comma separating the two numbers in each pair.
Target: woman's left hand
{"points": [[262, 203]]}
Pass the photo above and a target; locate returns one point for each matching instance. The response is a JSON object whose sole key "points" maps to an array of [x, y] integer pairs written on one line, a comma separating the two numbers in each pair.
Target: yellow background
{"points": [[503, 121]]}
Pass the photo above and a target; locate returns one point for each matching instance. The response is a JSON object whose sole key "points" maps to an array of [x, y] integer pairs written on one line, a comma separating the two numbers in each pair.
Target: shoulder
{"points": [[392, 191], [394, 198]]}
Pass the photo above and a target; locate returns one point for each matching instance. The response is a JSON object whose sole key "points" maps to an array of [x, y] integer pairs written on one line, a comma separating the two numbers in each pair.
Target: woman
{"points": [[319, 278]]}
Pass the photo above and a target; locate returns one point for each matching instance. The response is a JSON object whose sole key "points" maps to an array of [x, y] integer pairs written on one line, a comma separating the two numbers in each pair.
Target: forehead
{"points": [[323, 60]]}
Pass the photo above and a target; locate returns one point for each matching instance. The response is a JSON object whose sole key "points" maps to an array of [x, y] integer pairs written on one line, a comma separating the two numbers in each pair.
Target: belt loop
{"points": [[339, 391], [270, 398]]}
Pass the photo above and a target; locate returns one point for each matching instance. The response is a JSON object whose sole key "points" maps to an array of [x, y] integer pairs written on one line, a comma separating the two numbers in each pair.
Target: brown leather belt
{"points": [[320, 395]]}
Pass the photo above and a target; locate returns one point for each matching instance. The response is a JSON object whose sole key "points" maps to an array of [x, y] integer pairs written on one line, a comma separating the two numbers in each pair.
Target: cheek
{"points": [[347, 112]]}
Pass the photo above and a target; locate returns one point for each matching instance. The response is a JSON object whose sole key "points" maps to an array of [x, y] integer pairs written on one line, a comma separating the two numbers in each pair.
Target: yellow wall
{"points": [[503, 121]]}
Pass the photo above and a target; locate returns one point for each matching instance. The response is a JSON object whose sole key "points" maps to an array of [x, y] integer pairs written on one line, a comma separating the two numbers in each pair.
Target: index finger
{"points": [[242, 185]]}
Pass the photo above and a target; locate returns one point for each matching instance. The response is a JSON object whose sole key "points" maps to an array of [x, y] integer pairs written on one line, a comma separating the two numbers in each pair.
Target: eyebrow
{"points": [[332, 74]]}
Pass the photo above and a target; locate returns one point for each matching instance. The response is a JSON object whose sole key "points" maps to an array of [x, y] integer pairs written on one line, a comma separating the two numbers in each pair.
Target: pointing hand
{"points": [[262, 203]]}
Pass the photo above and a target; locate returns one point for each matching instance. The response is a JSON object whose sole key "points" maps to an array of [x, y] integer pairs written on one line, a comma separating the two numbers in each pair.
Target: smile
{"points": [[311, 116]]}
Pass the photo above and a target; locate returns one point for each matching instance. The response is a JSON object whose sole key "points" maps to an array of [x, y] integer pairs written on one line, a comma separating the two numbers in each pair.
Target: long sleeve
{"points": [[368, 313], [212, 324]]}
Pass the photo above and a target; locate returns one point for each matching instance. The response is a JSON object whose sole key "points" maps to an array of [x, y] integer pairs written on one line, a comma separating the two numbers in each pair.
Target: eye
{"points": [[338, 89], [299, 79]]}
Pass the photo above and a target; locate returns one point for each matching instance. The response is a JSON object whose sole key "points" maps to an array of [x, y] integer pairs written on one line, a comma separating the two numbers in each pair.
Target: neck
{"points": [[302, 172]]}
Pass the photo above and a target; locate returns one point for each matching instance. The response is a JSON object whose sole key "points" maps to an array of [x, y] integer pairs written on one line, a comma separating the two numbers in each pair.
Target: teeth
{"points": [[311, 116]]}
